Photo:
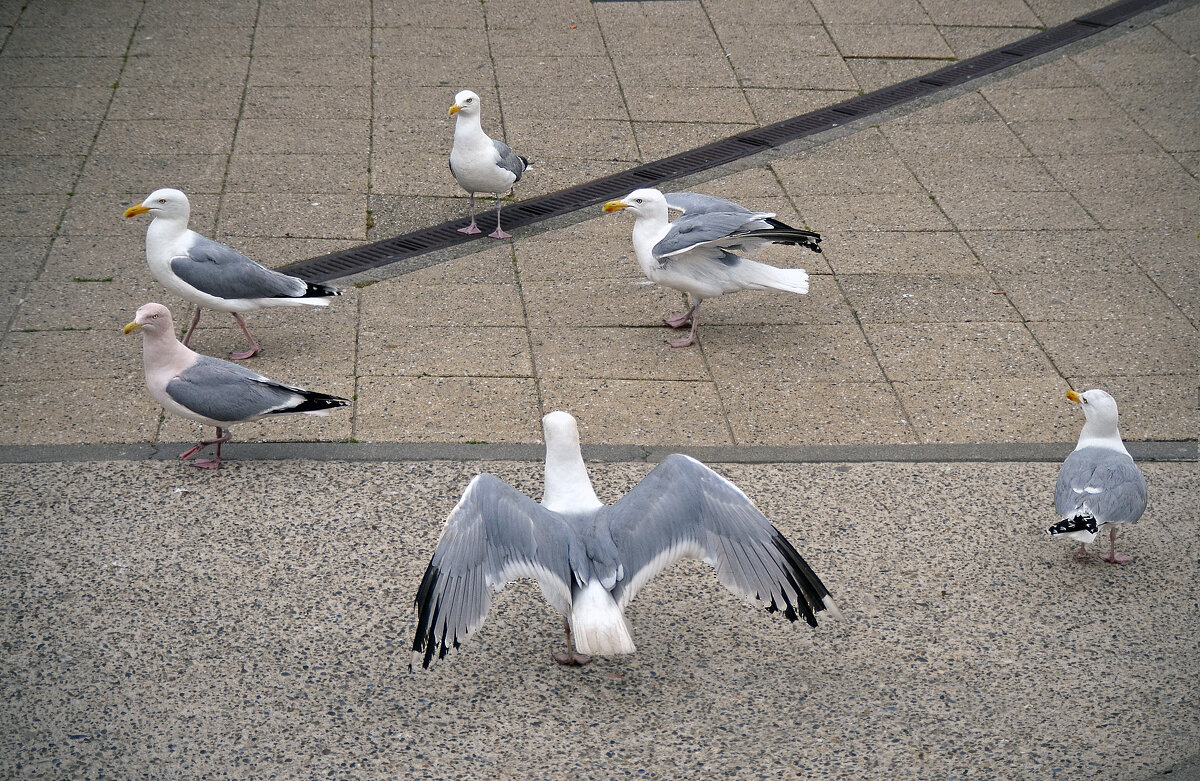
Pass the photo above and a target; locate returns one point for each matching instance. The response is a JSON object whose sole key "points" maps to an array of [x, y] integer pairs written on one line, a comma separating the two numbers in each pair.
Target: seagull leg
{"points": [[1082, 552], [208, 463], [690, 339], [253, 344], [681, 319], [571, 658], [1113, 557], [499, 233], [195, 319], [472, 228]]}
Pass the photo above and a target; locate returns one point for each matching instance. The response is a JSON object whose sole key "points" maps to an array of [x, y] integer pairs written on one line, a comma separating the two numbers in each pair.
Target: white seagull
{"points": [[480, 163], [1099, 484], [214, 275], [695, 254], [590, 559], [210, 390]]}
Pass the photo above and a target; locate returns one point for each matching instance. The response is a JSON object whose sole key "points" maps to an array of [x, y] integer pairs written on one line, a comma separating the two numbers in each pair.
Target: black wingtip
{"points": [[804, 582], [1077, 524], [315, 402], [318, 290]]}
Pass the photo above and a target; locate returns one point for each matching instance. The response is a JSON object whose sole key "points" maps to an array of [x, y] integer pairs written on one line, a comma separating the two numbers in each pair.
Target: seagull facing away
{"points": [[210, 390], [211, 274], [1099, 484], [480, 163], [590, 559], [695, 254]]}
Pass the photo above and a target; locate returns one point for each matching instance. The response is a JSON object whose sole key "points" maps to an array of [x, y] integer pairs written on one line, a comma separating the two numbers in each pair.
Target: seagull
{"points": [[481, 164], [210, 390], [590, 559], [1099, 484], [211, 274], [695, 254]]}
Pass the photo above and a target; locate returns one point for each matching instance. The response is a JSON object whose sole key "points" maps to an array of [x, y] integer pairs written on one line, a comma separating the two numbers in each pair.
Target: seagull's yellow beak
{"points": [[1073, 396], [134, 211], [455, 109], [615, 206], [131, 327]]}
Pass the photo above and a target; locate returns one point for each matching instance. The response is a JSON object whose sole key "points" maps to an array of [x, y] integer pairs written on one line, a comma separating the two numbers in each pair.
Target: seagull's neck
{"points": [[1101, 433], [568, 487], [166, 230], [647, 231], [468, 130], [164, 354]]}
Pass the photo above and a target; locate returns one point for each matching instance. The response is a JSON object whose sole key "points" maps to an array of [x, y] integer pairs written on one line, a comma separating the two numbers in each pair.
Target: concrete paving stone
{"points": [[580, 103], [215, 14], [678, 72], [98, 354], [829, 72], [657, 140], [628, 41], [69, 14], [41, 103], [787, 414], [182, 39], [388, 306], [455, 351], [95, 257], [787, 40], [1162, 111], [316, 215], [956, 351], [1085, 136], [554, 39], [166, 136], [421, 42], [872, 73], [947, 141], [394, 171], [24, 216], [772, 105], [1005, 209], [1020, 409], [642, 412], [311, 41], [868, 143], [889, 40], [537, 71], [1133, 207], [494, 266], [38, 175], [1143, 56], [426, 110], [823, 304], [1061, 72], [67, 411], [54, 304], [1151, 408], [663, 104], [1025, 104], [598, 302], [21, 260], [926, 298], [552, 173], [907, 252], [350, 69], [816, 175], [1001, 12], [866, 12], [1056, 12], [59, 71], [1084, 251], [297, 324], [593, 249], [1150, 173], [307, 103], [280, 13], [613, 353], [733, 13], [346, 174], [1172, 259], [446, 409], [1130, 347], [437, 14], [788, 353], [875, 211], [1068, 294], [190, 72], [1183, 28], [750, 186], [971, 40], [23, 137], [395, 136], [174, 102], [964, 176], [88, 41], [538, 138], [130, 172], [394, 215]]}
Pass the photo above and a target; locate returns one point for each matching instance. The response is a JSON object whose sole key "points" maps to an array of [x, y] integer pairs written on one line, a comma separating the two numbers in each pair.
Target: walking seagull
{"points": [[481, 164], [590, 559], [695, 254], [214, 275], [1099, 484], [210, 390]]}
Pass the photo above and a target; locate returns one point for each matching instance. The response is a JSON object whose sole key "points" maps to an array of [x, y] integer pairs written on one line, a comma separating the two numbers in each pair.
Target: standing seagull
{"points": [[211, 274], [481, 164], [1099, 484], [209, 390], [694, 254], [590, 559]]}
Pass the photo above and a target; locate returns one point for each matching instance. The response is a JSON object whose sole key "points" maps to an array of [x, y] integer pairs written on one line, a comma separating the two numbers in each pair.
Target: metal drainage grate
{"points": [[523, 213]]}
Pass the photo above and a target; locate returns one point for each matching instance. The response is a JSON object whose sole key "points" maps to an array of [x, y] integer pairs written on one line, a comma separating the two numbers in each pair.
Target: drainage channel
{"points": [[523, 213]]}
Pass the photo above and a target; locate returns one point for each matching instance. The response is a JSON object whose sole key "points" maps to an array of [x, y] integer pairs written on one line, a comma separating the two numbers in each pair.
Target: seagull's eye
{"points": [[154, 316], [637, 200], [162, 200]]}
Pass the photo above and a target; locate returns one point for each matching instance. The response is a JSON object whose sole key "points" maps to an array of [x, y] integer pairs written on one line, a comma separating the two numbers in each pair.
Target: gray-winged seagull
{"points": [[590, 559], [210, 390], [480, 163], [211, 274], [1099, 484], [695, 253]]}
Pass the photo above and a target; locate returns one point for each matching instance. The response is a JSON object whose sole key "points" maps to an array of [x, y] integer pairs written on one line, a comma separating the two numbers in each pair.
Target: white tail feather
{"points": [[597, 624], [791, 280]]}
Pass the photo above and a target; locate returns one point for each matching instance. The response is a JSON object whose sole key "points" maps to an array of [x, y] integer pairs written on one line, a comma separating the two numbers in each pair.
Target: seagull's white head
{"points": [[560, 427], [1097, 405], [166, 202], [153, 318], [646, 202], [466, 102]]}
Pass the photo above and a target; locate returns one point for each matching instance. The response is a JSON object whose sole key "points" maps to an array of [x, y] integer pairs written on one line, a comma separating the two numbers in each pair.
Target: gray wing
{"points": [[494, 535], [226, 392], [683, 509], [1102, 483], [222, 271], [699, 203], [510, 160], [707, 234]]}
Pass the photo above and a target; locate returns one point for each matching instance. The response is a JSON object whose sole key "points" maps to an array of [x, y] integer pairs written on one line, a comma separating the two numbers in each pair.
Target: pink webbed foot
{"points": [[472, 228], [253, 351], [253, 342], [193, 450], [207, 463], [499, 234], [1082, 552], [571, 658], [686, 341], [678, 320], [1116, 558]]}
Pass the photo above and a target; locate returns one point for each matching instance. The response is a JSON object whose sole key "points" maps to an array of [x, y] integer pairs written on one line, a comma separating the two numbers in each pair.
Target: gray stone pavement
{"points": [[984, 253]]}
